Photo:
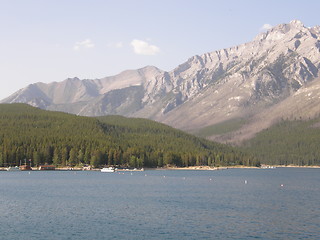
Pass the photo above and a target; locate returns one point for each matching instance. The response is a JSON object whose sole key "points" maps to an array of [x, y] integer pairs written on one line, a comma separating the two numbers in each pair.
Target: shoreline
{"points": [[296, 166], [198, 168], [207, 168]]}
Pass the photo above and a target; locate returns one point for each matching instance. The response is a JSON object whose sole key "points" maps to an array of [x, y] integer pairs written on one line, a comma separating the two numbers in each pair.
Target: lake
{"points": [[281, 203]]}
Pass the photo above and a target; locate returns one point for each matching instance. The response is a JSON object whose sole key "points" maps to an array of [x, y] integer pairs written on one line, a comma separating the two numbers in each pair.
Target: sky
{"points": [[52, 40]]}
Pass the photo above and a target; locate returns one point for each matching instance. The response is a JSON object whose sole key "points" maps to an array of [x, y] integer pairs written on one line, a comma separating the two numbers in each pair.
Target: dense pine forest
{"points": [[63, 139], [288, 142]]}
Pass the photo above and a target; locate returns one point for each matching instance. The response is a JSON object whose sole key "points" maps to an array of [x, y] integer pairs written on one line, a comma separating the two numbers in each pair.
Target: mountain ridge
{"points": [[245, 81]]}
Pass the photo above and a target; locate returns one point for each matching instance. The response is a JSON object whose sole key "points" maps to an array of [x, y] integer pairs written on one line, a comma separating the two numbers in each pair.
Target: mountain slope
{"points": [[75, 96], [252, 77], [259, 82], [68, 140], [288, 142]]}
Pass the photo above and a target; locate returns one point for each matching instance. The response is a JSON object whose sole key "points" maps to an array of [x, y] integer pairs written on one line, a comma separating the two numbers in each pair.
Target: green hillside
{"points": [[68, 140], [288, 142], [221, 128]]}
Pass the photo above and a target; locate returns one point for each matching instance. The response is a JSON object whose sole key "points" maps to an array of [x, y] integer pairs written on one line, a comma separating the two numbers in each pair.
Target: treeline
{"points": [[288, 142], [63, 139]]}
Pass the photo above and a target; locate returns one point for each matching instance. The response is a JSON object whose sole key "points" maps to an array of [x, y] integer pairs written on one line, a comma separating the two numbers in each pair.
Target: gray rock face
{"points": [[259, 81], [89, 97]]}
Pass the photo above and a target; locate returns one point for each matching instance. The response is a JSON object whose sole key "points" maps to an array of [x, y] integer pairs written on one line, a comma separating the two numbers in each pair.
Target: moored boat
{"points": [[47, 167], [108, 169], [25, 168], [16, 168], [267, 166]]}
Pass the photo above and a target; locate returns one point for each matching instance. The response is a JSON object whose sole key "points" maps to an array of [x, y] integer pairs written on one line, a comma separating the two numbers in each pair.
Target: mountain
{"points": [[111, 95], [62, 139], [227, 95]]}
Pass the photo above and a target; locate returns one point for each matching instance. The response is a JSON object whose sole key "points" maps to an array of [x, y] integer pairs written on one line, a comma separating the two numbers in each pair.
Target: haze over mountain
{"points": [[254, 84]]}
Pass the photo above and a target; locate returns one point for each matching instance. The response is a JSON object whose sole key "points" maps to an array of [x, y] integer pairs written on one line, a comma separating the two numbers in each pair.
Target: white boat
{"points": [[16, 168], [108, 169], [267, 167]]}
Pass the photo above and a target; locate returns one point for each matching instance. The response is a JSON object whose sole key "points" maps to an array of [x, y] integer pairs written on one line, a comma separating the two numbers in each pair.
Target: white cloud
{"points": [[119, 45], [83, 44], [115, 45], [266, 27], [144, 48]]}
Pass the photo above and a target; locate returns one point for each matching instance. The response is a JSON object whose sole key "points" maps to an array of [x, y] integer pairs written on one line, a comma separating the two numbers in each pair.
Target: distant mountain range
{"points": [[227, 95]]}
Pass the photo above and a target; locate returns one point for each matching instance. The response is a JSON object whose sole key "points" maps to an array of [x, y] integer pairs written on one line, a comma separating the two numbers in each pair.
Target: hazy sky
{"points": [[51, 40]]}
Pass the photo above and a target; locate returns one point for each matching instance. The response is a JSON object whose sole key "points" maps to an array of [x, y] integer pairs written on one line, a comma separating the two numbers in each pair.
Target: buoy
{"points": [[245, 181]]}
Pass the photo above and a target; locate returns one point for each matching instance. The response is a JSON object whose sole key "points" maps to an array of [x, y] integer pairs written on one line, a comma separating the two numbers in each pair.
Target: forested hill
{"points": [[288, 142], [68, 140]]}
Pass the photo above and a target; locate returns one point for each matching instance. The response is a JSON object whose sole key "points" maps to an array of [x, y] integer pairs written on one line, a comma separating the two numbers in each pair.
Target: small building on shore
{"points": [[25, 168], [47, 167]]}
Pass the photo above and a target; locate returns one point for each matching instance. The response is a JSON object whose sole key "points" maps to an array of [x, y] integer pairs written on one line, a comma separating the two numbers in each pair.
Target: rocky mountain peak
{"points": [[74, 79], [296, 23]]}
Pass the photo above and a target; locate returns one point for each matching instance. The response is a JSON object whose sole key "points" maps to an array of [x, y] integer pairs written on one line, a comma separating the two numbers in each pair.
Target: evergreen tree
{"points": [[73, 157]]}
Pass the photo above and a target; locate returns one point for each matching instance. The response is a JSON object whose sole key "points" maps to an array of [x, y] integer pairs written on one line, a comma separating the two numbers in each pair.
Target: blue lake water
{"points": [[280, 203]]}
